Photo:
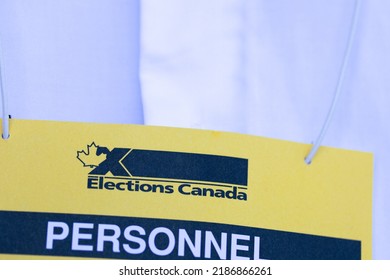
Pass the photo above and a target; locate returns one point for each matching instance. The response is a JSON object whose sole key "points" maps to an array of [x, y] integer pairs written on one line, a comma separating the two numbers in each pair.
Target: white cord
{"points": [[340, 83], [4, 101]]}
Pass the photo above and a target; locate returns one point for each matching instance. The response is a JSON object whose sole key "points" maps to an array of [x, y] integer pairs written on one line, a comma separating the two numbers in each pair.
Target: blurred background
{"points": [[266, 68]]}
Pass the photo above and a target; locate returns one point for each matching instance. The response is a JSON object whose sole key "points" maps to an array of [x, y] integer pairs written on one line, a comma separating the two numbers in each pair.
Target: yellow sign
{"points": [[140, 192]]}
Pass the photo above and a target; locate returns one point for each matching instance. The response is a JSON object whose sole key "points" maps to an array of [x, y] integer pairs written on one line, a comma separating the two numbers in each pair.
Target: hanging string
{"points": [[4, 101], [340, 83]]}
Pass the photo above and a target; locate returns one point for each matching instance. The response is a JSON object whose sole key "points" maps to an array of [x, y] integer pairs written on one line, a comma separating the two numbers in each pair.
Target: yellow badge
{"points": [[140, 192]]}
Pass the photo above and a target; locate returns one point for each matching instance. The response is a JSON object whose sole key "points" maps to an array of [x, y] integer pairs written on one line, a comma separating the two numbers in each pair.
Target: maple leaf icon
{"points": [[90, 157]]}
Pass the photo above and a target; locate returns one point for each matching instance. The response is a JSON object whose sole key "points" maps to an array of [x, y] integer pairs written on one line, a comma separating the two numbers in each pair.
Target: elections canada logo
{"points": [[165, 172]]}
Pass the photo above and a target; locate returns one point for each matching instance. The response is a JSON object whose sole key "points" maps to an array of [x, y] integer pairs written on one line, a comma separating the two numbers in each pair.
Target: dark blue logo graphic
{"points": [[186, 173]]}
